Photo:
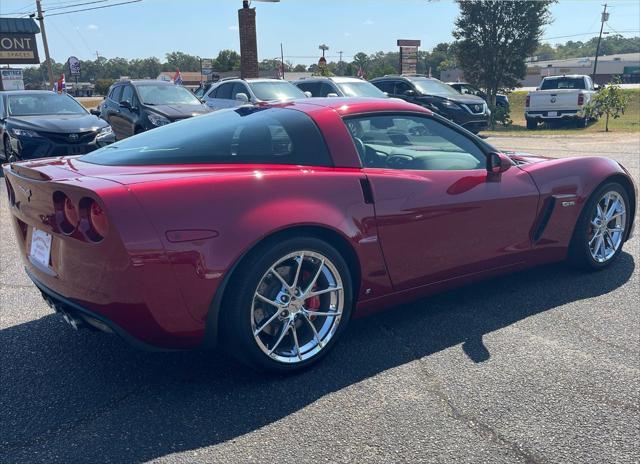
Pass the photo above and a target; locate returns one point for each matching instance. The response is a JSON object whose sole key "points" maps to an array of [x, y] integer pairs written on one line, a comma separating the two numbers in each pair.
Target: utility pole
{"points": [[603, 19], [340, 60], [40, 19], [282, 60]]}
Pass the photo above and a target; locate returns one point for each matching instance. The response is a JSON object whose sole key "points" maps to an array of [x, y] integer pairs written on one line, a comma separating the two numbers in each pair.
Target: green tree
{"points": [[102, 86], [300, 68], [181, 61], [608, 102], [495, 38], [227, 60]]}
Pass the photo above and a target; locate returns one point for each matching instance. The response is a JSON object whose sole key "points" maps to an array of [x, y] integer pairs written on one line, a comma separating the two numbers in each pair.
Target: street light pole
{"points": [[40, 19], [603, 19]]}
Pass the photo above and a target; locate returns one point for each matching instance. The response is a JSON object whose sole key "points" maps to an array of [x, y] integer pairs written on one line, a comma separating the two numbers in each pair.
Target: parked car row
{"points": [[40, 123]]}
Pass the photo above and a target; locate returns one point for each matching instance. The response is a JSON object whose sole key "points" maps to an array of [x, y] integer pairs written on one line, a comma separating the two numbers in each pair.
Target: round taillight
{"points": [[70, 212], [98, 219]]}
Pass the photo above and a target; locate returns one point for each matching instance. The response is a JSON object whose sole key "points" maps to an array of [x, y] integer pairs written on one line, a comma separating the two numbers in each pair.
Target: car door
{"points": [[128, 115], [440, 214], [221, 97], [111, 110]]}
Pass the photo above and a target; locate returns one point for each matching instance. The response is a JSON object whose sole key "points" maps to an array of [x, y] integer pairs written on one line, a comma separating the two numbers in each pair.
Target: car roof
{"points": [[336, 79], [25, 92], [144, 82], [573, 76], [346, 106]]}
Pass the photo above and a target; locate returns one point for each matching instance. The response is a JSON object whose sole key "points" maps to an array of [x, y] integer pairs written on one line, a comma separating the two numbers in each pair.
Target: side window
{"points": [[589, 83], [313, 87], [116, 93], [245, 135], [413, 142], [127, 94], [224, 91], [239, 88], [326, 89], [401, 87], [1, 107], [385, 86]]}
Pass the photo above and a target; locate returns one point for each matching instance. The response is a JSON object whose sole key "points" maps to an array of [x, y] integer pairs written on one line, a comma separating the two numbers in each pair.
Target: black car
{"points": [[35, 124], [467, 89], [468, 111], [132, 107]]}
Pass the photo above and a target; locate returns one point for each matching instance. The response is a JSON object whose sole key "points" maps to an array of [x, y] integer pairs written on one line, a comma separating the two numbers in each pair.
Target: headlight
{"points": [[449, 104], [105, 132], [157, 120], [23, 133]]}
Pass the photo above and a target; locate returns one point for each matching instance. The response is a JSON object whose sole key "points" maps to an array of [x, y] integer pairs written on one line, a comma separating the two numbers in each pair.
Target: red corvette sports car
{"points": [[265, 229]]}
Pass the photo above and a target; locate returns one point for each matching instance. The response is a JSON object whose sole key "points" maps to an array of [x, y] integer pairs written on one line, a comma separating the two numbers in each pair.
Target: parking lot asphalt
{"points": [[538, 366]]}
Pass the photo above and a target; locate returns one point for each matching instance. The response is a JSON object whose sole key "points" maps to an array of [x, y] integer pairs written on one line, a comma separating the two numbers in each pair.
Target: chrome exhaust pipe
{"points": [[74, 322]]}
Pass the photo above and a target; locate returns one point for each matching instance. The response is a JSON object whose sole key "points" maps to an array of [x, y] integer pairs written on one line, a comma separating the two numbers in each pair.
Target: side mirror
{"points": [[242, 97], [596, 87], [409, 93], [386, 94], [94, 112], [332, 95], [126, 104], [498, 163], [308, 94]]}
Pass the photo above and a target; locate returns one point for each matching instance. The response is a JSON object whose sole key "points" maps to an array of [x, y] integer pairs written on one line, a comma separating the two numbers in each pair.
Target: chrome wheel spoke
{"points": [[268, 301], [305, 314], [297, 276], [269, 321], [295, 340], [322, 292], [323, 313], [315, 278], [285, 330], [280, 278]]}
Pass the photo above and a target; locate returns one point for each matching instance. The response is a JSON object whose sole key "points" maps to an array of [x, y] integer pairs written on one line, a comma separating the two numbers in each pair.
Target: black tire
{"points": [[532, 124], [236, 319], [582, 123], [579, 253]]}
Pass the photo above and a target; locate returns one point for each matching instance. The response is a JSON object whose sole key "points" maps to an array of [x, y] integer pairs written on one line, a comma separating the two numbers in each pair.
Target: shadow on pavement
{"points": [[86, 396]]}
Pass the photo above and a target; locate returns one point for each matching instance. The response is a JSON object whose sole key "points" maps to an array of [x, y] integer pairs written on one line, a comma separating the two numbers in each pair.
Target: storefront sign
{"points": [[408, 56], [18, 49]]}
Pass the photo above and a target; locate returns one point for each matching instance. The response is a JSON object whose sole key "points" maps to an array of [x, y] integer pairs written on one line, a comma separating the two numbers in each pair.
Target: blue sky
{"points": [[203, 27]]}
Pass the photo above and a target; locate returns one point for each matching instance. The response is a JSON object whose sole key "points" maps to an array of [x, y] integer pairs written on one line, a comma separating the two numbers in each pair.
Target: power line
{"points": [[94, 8], [47, 9]]}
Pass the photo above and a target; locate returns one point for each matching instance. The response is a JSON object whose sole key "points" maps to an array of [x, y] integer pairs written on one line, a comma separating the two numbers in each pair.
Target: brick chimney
{"points": [[248, 43]]}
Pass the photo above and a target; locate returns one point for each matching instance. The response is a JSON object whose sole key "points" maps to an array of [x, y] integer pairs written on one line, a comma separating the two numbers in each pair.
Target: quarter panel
{"points": [[242, 208]]}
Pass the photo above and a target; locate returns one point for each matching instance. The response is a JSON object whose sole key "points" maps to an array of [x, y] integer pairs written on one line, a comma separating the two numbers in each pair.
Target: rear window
{"points": [[563, 83], [236, 136]]}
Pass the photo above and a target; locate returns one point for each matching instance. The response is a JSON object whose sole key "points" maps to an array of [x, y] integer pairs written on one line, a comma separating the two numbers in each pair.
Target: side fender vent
{"points": [[543, 219]]}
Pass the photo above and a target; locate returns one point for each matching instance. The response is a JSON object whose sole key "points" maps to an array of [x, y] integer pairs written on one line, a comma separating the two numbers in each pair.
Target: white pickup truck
{"points": [[559, 98]]}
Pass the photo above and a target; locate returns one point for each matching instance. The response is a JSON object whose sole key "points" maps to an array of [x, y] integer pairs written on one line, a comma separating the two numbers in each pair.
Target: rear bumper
{"points": [[97, 321], [560, 114]]}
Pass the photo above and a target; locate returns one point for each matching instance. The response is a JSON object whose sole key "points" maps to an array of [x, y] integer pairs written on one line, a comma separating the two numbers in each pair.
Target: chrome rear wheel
{"points": [[297, 306]]}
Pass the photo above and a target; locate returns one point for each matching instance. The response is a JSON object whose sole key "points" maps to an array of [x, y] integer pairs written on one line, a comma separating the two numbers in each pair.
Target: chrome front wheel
{"points": [[607, 226], [297, 306]]}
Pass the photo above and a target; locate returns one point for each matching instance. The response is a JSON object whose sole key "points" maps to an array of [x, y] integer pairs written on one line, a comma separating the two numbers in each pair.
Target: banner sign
{"points": [[74, 65], [11, 79], [18, 49]]}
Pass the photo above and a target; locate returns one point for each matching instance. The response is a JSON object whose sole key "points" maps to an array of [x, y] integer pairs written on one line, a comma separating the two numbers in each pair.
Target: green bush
{"points": [[500, 115], [102, 86]]}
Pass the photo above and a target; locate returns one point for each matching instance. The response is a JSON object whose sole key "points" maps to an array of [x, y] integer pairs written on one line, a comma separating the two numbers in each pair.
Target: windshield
{"points": [[166, 95], [563, 83], [434, 87], [43, 104], [361, 89], [267, 91]]}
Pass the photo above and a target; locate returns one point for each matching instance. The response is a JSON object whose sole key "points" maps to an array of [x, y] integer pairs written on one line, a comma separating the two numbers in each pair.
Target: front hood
{"points": [[526, 158], [464, 99], [63, 124], [179, 111]]}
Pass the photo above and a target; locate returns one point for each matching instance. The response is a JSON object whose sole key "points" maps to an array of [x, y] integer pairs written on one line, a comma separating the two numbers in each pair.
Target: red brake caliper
{"points": [[313, 303]]}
